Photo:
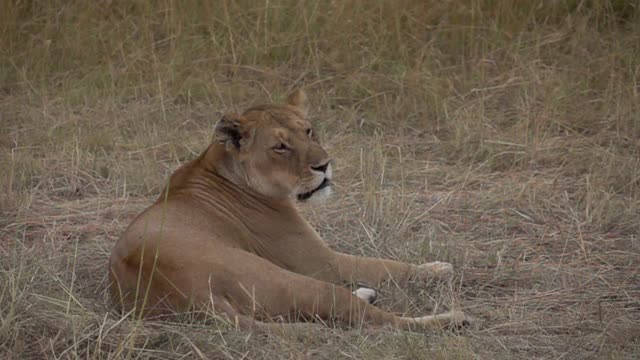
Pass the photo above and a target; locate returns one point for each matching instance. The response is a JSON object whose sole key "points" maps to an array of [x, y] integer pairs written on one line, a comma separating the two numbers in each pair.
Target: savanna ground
{"points": [[502, 136]]}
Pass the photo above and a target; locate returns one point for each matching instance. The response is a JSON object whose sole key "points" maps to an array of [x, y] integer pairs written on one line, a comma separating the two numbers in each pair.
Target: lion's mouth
{"points": [[325, 183]]}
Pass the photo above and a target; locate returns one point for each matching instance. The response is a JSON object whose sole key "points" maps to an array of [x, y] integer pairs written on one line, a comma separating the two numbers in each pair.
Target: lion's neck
{"points": [[217, 162], [264, 226], [214, 177]]}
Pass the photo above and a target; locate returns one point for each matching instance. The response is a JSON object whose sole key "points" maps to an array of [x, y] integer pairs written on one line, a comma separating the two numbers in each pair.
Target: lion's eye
{"points": [[281, 148], [309, 132]]}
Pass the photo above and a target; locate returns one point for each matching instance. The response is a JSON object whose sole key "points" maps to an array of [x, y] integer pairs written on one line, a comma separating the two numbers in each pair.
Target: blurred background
{"points": [[502, 136]]}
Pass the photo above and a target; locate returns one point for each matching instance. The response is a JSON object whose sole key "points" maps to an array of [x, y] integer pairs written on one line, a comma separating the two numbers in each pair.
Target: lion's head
{"points": [[274, 150]]}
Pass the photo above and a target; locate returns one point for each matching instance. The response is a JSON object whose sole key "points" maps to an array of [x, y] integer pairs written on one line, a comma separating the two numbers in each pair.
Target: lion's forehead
{"points": [[289, 119], [275, 112], [290, 124], [286, 133], [282, 125], [279, 122]]}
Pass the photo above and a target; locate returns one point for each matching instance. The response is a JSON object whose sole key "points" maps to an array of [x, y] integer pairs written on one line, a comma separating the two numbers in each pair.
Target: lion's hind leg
{"points": [[266, 292]]}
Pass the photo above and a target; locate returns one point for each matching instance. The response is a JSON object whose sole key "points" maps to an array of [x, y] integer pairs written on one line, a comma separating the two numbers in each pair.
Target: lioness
{"points": [[225, 234]]}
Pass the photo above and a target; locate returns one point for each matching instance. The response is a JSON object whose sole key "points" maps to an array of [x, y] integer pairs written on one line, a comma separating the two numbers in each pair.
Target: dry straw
{"points": [[499, 135]]}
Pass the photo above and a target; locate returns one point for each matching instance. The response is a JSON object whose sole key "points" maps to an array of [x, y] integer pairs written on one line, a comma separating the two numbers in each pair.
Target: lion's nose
{"points": [[321, 168]]}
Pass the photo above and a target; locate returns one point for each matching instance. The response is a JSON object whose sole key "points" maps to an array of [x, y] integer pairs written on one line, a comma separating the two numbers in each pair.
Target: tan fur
{"points": [[225, 234]]}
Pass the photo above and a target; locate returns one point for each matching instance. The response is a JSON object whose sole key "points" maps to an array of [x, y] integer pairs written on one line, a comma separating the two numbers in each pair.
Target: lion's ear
{"points": [[298, 99], [230, 130]]}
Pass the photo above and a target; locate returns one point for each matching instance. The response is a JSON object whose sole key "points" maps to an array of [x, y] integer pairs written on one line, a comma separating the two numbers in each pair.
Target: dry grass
{"points": [[499, 135]]}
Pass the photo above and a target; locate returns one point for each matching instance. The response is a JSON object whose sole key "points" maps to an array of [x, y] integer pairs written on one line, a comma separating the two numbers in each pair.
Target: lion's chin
{"points": [[320, 193]]}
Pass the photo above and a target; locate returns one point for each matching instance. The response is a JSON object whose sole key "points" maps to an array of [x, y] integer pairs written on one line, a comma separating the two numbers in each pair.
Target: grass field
{"points": [[502, 136]]}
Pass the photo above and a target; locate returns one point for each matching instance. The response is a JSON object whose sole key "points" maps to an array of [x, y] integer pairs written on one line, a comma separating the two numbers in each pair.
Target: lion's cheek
{"points": [[275, 184]]}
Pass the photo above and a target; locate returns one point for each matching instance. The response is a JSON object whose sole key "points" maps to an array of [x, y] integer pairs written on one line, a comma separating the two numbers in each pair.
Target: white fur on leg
{"points": [[439, 321], [366, 294]]}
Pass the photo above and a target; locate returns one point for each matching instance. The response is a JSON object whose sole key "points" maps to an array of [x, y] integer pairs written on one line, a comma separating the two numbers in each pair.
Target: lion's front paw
{"points": [[436, 269]]}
